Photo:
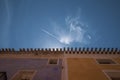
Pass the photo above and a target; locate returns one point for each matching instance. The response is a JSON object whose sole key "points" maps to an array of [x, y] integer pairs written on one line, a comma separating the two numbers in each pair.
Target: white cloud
{"points": [[74, 31], [65, 40]]}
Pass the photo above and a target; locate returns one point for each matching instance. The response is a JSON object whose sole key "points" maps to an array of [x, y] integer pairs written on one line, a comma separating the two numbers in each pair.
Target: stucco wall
{"points": [[44, 71], [88, 69]]}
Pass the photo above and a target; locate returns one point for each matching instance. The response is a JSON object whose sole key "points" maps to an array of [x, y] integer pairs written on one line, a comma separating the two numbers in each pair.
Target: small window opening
{"points": [[3, 76], [113, 75], [105, 61], [53, 61], [24, 75]]}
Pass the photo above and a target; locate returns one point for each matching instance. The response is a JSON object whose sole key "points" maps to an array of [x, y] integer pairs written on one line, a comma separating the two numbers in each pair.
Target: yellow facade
{"points": [[89, 69]]}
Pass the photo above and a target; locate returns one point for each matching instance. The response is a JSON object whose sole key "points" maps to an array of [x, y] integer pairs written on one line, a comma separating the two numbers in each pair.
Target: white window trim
{"points": [[116, 63], [24, 70], [104, 71]]}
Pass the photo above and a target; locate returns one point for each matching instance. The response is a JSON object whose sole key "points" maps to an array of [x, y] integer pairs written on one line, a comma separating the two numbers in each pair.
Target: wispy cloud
{"points": [[74, 31]]}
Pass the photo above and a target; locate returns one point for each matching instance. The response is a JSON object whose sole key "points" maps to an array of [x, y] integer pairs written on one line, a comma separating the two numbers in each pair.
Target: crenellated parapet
{"points": [[64, 50], [33, 51], [91, 50], [7, 50]]}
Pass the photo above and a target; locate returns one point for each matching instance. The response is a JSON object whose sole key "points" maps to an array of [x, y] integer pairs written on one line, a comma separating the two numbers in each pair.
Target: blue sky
{"points": [[59, 23]]}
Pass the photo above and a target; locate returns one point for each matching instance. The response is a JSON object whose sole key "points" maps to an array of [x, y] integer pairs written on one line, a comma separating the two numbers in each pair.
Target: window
{"points": [[105, 61], [3, 76], [113, 74], [53, 61], [24, 75]]}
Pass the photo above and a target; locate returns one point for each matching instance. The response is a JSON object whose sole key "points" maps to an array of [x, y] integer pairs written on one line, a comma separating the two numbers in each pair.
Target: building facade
{"points": [[60, 64]]}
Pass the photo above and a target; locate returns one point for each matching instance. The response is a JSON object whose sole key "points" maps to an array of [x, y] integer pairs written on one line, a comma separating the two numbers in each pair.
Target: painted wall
{"points": [[44, 71], [88, 69]]}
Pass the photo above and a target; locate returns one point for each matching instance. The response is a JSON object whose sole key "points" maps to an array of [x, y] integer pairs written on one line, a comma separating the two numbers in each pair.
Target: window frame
{"points": [[3, 74], [48, 63], [114, 62], [18, 74], [107, 71]]}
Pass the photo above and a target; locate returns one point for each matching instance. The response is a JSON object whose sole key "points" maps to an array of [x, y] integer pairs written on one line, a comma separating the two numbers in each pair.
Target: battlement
{"points": [[30, 49], [63, 50], [94, 50]]}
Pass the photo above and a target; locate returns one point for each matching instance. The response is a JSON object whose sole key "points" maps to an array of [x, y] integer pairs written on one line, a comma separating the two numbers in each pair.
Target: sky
{"points": [[59, 23]]}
